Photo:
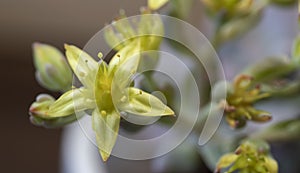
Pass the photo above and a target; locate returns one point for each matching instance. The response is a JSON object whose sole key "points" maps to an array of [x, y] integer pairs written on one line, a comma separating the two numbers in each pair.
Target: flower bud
{"points": [[39, 113], [40, 107], [230, 8], [52, 70]]}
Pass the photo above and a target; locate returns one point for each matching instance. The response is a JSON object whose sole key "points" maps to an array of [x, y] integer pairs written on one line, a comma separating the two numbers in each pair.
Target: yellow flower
{"points": [[106, 92]]}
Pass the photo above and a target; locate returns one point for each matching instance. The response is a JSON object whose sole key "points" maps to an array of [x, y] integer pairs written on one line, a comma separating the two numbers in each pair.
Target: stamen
{"points": [[100, 55]]}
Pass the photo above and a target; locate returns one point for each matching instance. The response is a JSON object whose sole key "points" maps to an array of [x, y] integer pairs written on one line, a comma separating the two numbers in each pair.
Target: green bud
{"points": [[149, 29], [52, 70], [39, 113], [40, 107], [54, 122], [229, 8], [237, 27]]}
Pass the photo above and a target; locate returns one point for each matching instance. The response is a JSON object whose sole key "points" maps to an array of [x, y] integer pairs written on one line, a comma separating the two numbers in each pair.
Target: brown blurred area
{"points": [[24, 147]]}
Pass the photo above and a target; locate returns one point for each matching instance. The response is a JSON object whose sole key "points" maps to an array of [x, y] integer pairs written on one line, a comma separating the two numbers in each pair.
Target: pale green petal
{"points": [[106, 126], [72, 101], [271, 165], [103, 88], [124, 76], [131, 50], [151, 29], [156, 4], [83, 65], [227, 160], [114, 40], [139, 102]]}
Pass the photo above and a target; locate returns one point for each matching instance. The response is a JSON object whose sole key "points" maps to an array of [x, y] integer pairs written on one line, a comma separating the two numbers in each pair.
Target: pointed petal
{"points": [[83, 65], [141, 103], [226, 160], [106, 126], [131, 50], [72, 101]]}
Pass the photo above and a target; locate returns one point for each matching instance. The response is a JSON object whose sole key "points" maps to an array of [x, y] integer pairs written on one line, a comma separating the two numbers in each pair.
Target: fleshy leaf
{"points": [[139, 102], [83, 65], [156, 4], [70, 102], [106, 126]]}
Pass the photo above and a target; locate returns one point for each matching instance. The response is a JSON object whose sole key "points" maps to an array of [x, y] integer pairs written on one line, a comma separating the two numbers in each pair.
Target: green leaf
{"points": [[269, 69], [70, 102], [156, 4], [83, 65], [285, 130], [139, 102], [296, 50], [106, 126]]}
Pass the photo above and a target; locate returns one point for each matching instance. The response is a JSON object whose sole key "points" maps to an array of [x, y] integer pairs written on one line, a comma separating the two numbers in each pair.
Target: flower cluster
{"points": [[238, 105], [250, 156]]}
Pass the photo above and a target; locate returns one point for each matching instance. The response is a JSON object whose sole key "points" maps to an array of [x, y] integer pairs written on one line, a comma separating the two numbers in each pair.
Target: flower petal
{"points": [[72, 101], [226, 160], [106, 126], [131, 50], [83, 65], [141, 103]]}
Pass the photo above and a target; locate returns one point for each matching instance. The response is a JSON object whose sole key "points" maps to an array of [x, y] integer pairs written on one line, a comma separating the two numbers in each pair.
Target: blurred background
{"points": [[30, 149]]}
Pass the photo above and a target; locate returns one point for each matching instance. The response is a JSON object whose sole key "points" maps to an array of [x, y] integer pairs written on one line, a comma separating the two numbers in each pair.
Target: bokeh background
{"points": [[29, 149]]}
